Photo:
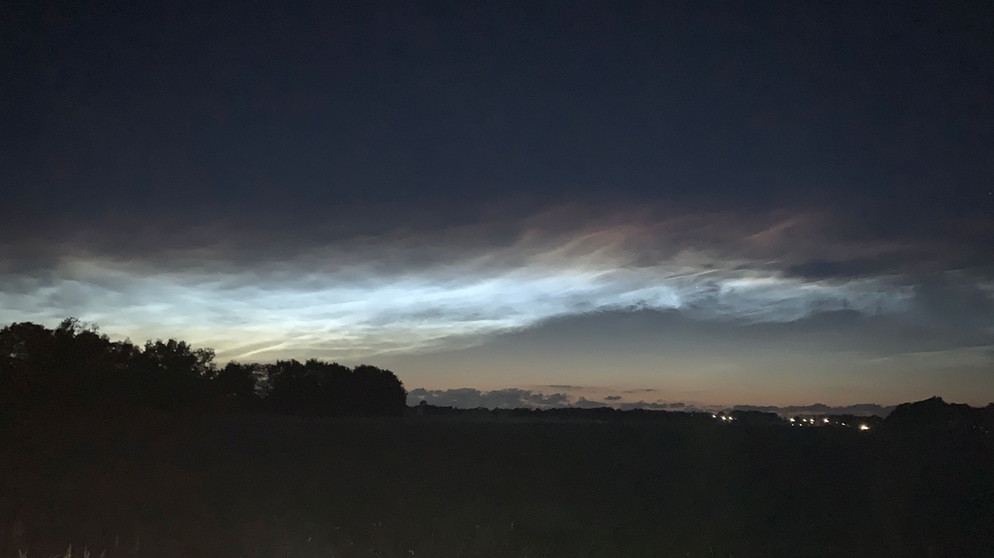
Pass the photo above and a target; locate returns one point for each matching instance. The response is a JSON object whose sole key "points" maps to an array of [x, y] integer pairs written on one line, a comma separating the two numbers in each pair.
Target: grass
{"points": [[68, 554], [290, 488]]}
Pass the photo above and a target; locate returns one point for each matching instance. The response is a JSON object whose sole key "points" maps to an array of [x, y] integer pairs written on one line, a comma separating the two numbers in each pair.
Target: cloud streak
{"points": [[323, 292]]}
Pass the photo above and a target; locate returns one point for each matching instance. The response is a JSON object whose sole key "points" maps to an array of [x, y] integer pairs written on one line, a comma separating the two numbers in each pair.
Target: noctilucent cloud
{"points": [[767, 205]]}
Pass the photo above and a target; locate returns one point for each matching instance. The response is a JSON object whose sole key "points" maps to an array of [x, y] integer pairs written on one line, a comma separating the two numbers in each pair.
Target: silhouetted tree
{"points": [[173, 375], [381, 393], [237, 387], [86, 365], [26, 358], [330, 389], [290, 389], [64, 369]]}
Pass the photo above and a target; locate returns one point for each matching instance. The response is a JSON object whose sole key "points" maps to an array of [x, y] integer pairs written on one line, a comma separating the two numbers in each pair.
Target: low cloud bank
{"points": [[516, 398], [469, 398]]}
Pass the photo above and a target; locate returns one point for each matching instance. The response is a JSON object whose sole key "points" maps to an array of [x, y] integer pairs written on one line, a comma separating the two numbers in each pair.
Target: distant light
{"points": [[791, 420], [825, 420], [714, 416], [864, 427]]}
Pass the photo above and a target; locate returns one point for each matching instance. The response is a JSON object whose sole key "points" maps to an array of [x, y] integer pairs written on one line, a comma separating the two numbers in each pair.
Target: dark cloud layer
{"points": [[265, 109]]}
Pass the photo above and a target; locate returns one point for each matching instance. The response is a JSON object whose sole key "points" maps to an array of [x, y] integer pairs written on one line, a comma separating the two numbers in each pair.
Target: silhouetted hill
{"points": [[935, 415]]}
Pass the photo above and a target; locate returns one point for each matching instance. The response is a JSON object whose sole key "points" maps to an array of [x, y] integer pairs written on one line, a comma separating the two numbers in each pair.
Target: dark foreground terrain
{"points": [[435, 486]]}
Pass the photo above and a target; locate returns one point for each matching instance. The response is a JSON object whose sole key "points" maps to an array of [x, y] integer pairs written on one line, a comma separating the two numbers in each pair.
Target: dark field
{"points": [[285, 487]]}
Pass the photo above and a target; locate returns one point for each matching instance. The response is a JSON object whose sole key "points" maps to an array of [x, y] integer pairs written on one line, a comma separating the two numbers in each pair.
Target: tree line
{"points": [[75, 368]]}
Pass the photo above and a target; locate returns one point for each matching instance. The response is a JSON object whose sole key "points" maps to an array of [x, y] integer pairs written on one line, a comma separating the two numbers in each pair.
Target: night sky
{"points": [[767, 203]]}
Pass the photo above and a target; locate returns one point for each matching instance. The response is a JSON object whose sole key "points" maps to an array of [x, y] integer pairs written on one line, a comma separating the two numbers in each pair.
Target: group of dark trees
{"points": [[74, 368]]}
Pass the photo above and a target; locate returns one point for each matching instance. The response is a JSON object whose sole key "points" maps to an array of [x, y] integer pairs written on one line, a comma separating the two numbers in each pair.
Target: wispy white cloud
{"points": [[401, 292]]}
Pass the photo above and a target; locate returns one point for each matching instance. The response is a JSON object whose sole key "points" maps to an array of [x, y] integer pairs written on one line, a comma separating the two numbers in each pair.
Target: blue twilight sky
{"points": [[770, 203]]}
